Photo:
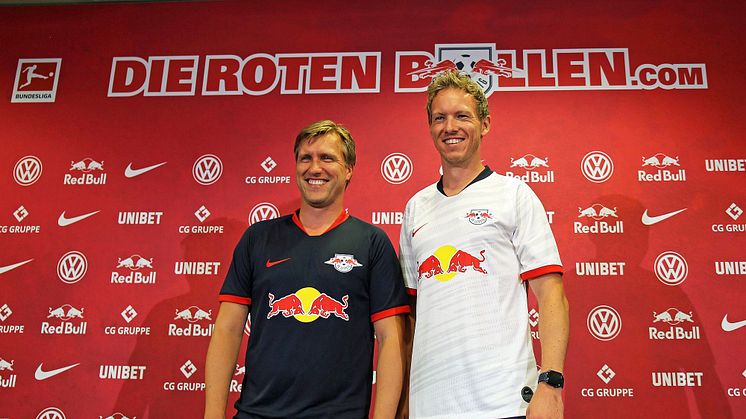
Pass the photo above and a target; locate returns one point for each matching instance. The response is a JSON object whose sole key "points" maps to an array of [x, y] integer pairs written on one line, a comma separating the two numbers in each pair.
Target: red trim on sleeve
{"points": [[535, 273], [411, 291], [341, 219], [388, 313], [234, 299]]}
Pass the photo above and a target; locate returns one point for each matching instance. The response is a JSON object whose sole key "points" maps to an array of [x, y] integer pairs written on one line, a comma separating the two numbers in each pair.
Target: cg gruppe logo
{"points": [[27, 170], [597, 166], [72, 267], [263, 211], [207, 169], [671, 268], [396, 168], [604, 323]]}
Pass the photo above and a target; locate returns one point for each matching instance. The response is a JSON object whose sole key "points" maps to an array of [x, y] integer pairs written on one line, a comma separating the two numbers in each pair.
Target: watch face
{"points": [[553, 378]]}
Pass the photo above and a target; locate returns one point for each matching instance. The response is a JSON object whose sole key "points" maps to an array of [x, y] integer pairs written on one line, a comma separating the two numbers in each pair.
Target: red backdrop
{"points": [[616, 114]]}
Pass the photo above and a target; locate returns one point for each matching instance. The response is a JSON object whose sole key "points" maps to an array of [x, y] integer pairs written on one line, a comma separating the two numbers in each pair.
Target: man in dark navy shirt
{"points": [[318, 284]]}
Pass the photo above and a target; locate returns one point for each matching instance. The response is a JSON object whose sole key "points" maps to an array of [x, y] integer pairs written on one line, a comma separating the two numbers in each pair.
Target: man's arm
{"points": [[554, 330], [390, 368], [221, 357], [409, 323]]}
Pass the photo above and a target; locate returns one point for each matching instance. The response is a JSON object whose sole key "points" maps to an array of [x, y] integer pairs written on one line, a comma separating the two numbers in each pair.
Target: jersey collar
{"points": [[482, 175], [341, 219]]}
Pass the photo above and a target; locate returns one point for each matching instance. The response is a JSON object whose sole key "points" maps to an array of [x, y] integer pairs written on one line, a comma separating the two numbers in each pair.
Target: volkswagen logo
{"points": [[72, 267], [207, 169], [597, 166], [396, 168]]}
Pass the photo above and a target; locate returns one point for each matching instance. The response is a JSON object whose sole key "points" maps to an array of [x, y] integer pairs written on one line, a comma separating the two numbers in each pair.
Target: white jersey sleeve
{"points": [[406, 254], [532, 238]]}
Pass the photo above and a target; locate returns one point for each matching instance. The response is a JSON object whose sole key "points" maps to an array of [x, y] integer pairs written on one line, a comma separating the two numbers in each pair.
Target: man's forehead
{"points": [[329, 140], [468, 99]]}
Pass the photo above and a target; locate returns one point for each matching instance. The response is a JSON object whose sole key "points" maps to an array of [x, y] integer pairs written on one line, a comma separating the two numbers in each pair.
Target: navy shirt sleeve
{"points": [[238, 281], [387, 294]]}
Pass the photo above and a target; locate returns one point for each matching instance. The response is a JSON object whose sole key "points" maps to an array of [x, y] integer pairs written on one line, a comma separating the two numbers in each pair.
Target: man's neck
{"points": [[317, 220], [455, 179]]}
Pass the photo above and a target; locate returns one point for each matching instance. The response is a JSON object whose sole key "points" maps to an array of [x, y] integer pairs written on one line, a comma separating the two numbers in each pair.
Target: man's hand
{"points": [[546, 403]]}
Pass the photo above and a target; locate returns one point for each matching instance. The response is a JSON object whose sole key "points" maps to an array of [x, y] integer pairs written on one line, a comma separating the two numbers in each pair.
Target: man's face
{"points": [[320, 171], [456, 129]]}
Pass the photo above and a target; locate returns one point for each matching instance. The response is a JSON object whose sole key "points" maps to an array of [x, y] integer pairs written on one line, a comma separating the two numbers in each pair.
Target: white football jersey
{"points": [[466, 257]]}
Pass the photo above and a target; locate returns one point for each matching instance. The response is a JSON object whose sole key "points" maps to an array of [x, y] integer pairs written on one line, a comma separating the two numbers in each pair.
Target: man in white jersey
{"points": [[470, 244]]}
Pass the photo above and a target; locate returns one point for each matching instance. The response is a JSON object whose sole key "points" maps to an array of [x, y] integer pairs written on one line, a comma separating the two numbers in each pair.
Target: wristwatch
{"points": [[553, 378]]}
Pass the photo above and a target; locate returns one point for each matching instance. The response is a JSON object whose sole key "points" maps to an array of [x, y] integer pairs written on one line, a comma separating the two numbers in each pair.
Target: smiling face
{"points": [[321, 172], [456, 129]]}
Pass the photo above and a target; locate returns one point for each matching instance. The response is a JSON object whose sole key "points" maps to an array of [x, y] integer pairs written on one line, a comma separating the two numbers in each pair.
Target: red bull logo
{"points": [[478, 216], [343, 263], [86, 166], [306, 305], [676, 319], [447, 261], [65, 312], [530, 163], [193, 314], [597, 212], [664, 164]]}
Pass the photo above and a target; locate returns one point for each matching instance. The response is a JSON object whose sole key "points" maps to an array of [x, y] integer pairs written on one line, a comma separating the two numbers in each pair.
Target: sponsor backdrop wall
{"points": [[140, 140]]}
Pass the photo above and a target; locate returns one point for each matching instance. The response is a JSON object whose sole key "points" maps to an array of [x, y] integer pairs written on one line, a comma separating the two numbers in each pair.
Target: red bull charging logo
{"points": [[447, 261], [306, 305]]}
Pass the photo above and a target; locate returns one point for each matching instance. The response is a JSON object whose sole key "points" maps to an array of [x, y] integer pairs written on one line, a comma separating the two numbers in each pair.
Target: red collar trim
{"points": [[341, 219]]}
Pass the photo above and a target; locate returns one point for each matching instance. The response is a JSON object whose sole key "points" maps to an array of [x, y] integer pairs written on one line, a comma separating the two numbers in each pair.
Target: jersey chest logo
{"points": [[306, 305], [447, 262], [343, 263], [478, 216]]}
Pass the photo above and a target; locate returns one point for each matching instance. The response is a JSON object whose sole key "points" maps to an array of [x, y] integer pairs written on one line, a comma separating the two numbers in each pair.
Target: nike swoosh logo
{"points": [[43, 375], [130, 172], [64, 221], [271, 264], [729, 327], [4, 269], [418, 229], [648, 220]]}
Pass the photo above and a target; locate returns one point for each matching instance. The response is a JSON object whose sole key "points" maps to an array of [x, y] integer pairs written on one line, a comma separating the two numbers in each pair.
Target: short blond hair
{"points": [[457, 80]]}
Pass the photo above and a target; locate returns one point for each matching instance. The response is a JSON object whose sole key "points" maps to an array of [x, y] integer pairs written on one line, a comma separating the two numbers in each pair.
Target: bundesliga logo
{"points": [[36, 80]]}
